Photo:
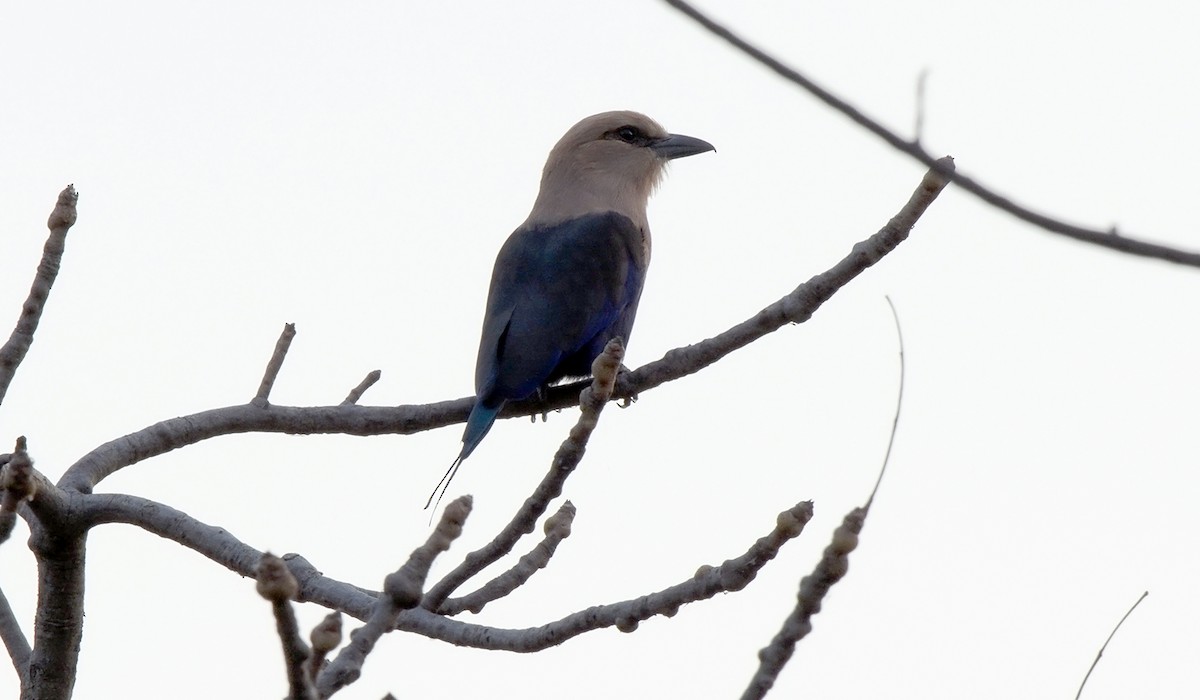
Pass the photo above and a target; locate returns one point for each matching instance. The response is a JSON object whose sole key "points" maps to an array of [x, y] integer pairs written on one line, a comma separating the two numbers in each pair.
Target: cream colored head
{"points": [[608, 162]]}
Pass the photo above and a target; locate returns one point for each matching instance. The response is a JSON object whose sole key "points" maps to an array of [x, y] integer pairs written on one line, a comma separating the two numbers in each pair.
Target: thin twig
{"points": [[556, 529], [813, 588], [14, 640], [591, 403], [919, 125], [402, 590], [1108, 239], [18, 484], [277, 585], [887, 456], [357, 392], [325, 637], [14, 351], [1106, 641], [275, 364]]}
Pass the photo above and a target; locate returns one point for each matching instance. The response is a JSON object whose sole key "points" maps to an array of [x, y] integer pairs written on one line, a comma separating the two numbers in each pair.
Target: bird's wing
{"points": [[558, 294]]}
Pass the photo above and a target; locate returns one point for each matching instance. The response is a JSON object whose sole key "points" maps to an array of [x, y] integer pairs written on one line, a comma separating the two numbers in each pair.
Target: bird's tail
{"points": [[478, 424]]}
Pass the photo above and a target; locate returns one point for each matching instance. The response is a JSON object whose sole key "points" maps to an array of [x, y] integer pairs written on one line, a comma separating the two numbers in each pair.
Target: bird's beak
{"points": [[680, 146]]}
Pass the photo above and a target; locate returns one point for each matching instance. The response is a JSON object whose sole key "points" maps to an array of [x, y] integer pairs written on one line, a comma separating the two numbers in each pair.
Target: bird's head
{"points": [[608, 162]]}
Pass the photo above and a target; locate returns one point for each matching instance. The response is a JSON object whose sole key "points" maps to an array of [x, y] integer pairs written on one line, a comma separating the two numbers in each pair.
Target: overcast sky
{"points": [[353, 168]]}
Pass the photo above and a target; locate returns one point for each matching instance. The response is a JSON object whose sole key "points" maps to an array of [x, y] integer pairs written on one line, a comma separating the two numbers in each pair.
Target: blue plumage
{"points": [[559, 293], [569, 279]]}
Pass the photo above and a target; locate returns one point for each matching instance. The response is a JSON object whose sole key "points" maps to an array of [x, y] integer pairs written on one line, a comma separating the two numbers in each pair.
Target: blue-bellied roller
{"points": [[568, 280]]}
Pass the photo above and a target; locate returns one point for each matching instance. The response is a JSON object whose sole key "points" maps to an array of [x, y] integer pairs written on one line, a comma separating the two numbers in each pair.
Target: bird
{"points": [[569, 278]]}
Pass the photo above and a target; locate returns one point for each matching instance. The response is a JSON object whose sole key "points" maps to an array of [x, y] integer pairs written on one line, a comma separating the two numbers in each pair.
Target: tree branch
{"points": [[314, 587], [14, 640], [14, 351], [276, 584], [796, 307], [58, 625], [1108, 239], [832, 567], [557, 529]]}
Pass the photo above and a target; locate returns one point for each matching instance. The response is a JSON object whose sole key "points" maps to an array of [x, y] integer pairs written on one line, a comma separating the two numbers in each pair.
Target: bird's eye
{"points": [[628, 134]]}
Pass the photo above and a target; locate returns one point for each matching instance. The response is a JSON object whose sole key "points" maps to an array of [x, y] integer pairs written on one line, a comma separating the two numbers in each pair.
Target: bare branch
{"points": [[796, 307], [314, 587], [557, 529], [357, 392], [832, 567], [276, 584], [14, 640], [275, 364], [402, 591], [591, 403], [1108, 239], [1106, 641], [733, 575], [14, 351]]}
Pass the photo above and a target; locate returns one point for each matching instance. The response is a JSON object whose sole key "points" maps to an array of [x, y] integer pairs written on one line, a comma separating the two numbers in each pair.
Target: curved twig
{"points": [[1106, 641], [14, 351]]}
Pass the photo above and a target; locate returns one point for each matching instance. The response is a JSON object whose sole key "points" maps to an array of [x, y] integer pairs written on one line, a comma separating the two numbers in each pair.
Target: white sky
{"points": [[354, 169]]}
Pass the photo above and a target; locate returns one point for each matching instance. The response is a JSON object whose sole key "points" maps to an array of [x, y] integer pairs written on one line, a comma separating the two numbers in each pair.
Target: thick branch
{"points": [[796, 307], [1108, 239], [14, 351], [58, 625]]}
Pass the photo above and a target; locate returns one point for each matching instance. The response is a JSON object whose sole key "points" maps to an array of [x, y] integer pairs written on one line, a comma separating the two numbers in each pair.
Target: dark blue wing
{"points": [[558, 295]]}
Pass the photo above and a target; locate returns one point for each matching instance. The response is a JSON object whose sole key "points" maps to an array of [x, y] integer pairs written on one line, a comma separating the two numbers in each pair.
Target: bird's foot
{"points": [[632, 398]]}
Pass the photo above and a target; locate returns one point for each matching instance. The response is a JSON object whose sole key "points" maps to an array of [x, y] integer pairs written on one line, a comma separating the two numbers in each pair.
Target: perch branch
{"points": [[1108, 239], [796, 307], [14, 351]]}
